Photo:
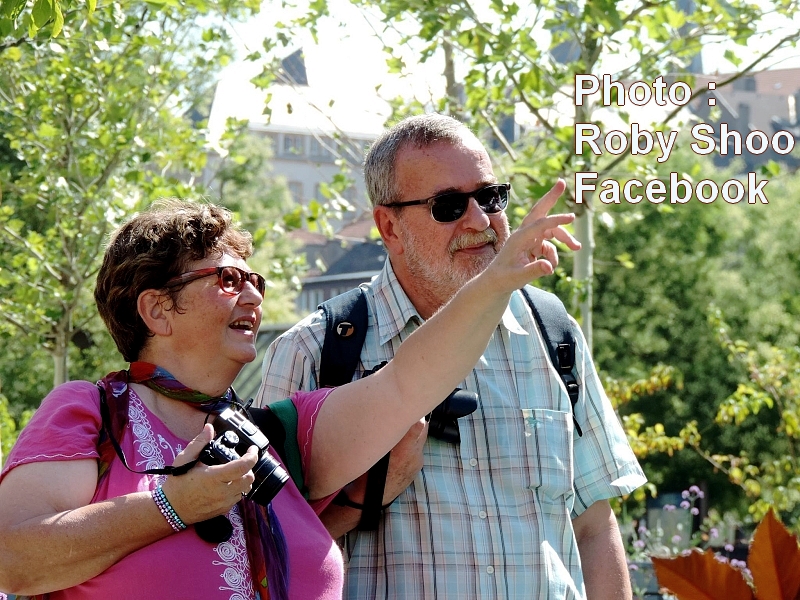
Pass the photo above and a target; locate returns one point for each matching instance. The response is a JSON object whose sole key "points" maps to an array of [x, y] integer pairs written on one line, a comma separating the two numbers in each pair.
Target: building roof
{"points": [[368, 256], [775, 82], [359, 229]]}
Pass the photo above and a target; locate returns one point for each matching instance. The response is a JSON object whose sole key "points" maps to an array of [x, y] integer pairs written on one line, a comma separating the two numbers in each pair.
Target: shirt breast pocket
{"points": [[548, 441]]}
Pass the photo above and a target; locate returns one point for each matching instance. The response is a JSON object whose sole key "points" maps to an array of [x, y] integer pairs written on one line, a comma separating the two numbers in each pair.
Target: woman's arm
{"points": [[52, 538], [363, 420]]}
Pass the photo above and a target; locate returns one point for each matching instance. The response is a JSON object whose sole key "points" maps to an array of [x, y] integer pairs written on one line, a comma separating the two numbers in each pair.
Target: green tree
{"points": [[767, 396], [659, 270], [527, 54], [95, 126]]}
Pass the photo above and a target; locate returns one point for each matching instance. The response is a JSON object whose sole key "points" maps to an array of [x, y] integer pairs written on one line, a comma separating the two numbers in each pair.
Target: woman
{"points": [[177, 297]]}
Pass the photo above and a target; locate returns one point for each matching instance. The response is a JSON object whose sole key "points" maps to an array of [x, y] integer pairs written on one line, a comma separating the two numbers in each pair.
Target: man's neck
{"points": [[424, 300]]}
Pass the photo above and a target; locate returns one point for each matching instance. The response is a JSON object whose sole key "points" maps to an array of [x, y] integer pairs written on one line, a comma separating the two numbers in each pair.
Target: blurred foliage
{"points": [[96, 124], [769, 397]]}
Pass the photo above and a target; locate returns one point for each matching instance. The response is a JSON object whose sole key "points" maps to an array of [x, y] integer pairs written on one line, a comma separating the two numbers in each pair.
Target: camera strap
{"points": [[105, 415]]}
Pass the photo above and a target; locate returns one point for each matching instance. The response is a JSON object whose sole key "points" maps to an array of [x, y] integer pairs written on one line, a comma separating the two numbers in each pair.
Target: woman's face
{"points": [[215, 327]]}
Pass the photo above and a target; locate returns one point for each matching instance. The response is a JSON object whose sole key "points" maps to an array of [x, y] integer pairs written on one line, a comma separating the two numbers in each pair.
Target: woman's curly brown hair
{"points": [[152, 248]]}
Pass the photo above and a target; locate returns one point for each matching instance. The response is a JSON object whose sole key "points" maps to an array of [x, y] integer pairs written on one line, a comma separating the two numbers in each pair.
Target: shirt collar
{"points": [[394, 310], [392, 307], [510, 321]]}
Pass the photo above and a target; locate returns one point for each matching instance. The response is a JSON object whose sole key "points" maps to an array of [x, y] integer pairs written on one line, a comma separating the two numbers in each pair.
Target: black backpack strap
{"points": [[554, 323], [345, 331]]}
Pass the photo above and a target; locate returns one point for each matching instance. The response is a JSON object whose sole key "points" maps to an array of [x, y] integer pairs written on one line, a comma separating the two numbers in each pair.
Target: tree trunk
{"points": [[583, 267], [583, 270], [60, 359]]}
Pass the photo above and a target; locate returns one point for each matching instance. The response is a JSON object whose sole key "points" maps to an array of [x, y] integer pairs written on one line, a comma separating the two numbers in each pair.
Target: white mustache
{"points": [[487, 236]]}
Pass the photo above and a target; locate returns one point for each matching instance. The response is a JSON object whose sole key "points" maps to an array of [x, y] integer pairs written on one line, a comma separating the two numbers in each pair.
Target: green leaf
{"points": [[42, 12], [12, 8], [396, 65], [731, 57], [58, 20]]}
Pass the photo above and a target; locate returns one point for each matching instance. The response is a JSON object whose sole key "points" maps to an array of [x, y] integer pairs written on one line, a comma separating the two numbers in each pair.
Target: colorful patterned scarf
{"points": [[266, 544]]}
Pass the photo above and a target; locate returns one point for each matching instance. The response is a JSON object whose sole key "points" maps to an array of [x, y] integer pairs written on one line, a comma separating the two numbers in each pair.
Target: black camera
{"points": [[236, 433], [443, 420]]}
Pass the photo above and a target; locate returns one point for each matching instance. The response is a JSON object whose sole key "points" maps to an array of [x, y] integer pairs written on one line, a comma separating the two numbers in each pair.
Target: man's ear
{"points": [[152, 306], [388, 223]]}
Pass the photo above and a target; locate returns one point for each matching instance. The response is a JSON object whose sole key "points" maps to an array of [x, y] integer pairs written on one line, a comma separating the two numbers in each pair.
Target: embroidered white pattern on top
{"points": [[233, 555], [144, 440]]}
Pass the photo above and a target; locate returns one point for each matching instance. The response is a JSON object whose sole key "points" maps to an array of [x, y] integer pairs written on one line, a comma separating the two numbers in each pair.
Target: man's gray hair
{"points": [[420, 131]]}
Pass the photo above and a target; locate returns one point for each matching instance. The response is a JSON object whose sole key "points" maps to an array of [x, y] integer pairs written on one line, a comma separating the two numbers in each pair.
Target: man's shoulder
{"points": [[311, 321], [310, 331]]}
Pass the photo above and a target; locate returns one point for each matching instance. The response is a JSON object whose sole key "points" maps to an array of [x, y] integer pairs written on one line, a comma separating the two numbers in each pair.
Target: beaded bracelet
{"points": [[166, 509]]}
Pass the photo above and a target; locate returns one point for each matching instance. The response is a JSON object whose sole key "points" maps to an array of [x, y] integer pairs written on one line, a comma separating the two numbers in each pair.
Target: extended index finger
{"points": [[546, 202]]}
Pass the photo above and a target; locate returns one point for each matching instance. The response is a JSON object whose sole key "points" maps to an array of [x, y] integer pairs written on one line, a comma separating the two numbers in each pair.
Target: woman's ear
{"points": [[152, 307]]}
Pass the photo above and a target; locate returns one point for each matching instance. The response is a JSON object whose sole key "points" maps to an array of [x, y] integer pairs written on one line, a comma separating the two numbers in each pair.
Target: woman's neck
{"points": [[212, 381], [181, 418]]}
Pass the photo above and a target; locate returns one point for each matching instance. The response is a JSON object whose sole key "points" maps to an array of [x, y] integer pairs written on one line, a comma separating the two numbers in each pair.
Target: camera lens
{"points": [[270, 477]]}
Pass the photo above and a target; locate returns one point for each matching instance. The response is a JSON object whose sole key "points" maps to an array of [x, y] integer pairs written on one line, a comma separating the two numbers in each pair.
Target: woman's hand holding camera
{"points": [[207, 491]]}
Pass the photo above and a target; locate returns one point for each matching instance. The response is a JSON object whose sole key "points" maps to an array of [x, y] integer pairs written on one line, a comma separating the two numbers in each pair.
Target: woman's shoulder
{"points": [[71, 395], [65, 427]]}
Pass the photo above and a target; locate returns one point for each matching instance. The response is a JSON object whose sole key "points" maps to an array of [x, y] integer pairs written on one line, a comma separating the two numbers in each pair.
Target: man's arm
{"points": [[405, 461], [605, 569]]}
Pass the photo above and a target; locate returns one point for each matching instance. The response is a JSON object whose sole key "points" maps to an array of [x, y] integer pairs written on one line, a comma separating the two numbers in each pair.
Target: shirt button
{"points": [[473, 462], [490, 570], [482, 514]]}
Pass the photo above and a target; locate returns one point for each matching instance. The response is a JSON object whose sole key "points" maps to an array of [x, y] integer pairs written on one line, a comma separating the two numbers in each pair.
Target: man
{"points": [[518, 509]]}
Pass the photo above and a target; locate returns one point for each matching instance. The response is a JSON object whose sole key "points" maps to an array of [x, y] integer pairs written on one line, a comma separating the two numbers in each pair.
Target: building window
{"points": [[293, 145], [745, 84], [353, 150], [318, 148]]}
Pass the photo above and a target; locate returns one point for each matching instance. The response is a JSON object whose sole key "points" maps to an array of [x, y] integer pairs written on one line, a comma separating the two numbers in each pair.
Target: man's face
{"points": [[442, 257]]}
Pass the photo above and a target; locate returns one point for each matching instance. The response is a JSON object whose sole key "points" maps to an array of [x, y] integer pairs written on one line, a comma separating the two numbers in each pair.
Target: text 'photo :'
{"points": [[703, 139]]}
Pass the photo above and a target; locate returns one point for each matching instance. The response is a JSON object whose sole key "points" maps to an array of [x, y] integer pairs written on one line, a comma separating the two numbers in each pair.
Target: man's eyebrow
{"points": [[455, 190], [450, 190]]}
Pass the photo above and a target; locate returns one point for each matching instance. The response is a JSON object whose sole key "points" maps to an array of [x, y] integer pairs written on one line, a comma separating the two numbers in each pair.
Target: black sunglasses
{"points": [[451, 206], [231, 280]]}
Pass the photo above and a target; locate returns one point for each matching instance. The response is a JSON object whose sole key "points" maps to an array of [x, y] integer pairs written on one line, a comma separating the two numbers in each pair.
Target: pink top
{"points": [[180, 566]]}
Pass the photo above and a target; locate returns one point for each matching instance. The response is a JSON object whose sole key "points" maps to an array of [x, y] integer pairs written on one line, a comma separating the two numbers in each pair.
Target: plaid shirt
{"points": [[491, 517]]}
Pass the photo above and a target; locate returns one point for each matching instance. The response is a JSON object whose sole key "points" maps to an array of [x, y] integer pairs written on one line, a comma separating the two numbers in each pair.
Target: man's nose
{"points": [[475, 218]]}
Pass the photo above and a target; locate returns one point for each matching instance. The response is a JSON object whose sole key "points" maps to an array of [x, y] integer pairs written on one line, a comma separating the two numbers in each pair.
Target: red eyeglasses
{"points": [[231, 280]]}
